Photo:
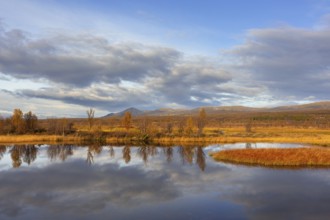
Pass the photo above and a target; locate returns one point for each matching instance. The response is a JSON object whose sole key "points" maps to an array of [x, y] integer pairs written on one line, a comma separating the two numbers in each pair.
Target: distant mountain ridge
{"points": [[325, 105], [132, 110]]}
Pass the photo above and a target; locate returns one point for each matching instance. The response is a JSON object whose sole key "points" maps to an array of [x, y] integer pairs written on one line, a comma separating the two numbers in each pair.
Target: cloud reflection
{"points": [[157, 183]]}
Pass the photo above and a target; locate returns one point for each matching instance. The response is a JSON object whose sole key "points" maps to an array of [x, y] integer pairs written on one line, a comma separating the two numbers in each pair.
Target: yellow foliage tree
{"points": [[17, 122], [127, 120], [201, 122], [189, 126]]}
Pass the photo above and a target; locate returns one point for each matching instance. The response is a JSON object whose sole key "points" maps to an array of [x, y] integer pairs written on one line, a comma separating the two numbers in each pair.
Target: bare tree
{"points": [[2, 124], [201, 121], [90, 117], [144, 124], [63, 125], [31, 122]]}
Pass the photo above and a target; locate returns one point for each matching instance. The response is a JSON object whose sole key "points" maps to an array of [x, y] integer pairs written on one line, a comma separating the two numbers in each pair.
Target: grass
{"points": [[271, 135], [212, 136], [12, 139], [278, 157]]}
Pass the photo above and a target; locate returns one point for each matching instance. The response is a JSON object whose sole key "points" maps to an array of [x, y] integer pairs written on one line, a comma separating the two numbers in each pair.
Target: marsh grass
{"points": [[37, 139], [278, 157], [212, 135]]}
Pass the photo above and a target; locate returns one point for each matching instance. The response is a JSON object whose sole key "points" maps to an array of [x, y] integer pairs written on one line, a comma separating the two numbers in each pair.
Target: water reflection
{"points": [[28, 153], [3, 150], [150, 182], [25, 153], [57, 152]]}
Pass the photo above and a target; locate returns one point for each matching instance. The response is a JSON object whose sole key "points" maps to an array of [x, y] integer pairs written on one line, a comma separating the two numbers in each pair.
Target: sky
{"points": [[62, 57]]}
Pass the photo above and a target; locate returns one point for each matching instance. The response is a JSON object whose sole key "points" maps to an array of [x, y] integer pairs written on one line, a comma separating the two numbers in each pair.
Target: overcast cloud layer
{"points": [[272, 66]]}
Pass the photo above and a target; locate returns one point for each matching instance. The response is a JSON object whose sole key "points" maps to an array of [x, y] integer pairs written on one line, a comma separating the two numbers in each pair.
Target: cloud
{"points": [[56, 186], [88, 70], [288, 61], [274, 65], [80, 60], [276, 194]]}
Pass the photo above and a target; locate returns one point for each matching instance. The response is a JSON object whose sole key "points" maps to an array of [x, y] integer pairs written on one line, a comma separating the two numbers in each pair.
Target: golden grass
{"points": [[230, 135], [295, 157], [11, 139]]}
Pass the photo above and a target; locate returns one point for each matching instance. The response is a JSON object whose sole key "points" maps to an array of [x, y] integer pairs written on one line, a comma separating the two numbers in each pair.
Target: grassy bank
{"points": [[13, 139], [293, 157], [271, 134], [227, 135]]}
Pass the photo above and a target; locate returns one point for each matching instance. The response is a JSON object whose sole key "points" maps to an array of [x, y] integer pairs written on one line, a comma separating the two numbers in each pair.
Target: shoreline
{"points": [[298, 136]]}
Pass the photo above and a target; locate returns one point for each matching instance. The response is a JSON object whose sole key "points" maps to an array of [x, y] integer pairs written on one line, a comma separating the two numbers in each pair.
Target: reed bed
{"points": [[278, 157], [37, 139]]}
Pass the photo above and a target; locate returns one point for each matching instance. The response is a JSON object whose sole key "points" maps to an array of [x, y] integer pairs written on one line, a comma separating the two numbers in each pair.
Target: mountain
{"points": [[133, 111], [305, 107], [316, 106]]}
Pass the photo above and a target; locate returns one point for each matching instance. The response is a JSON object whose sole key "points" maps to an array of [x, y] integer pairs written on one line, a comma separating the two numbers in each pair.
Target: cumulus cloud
{"points": [[289, 61], [80, 60], [92, 71], [274, 65]]}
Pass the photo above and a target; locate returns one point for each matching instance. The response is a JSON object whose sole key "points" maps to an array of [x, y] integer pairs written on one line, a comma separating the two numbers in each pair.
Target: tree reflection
{"points": [[3, 150], [152, 150], [90, 157], [92, 151], [55, 152], [15, 155], [169, 154], [112, 152], [143, 152], [127, 154], [187, 154], [26, 152], [200, 158], [29, 154]]}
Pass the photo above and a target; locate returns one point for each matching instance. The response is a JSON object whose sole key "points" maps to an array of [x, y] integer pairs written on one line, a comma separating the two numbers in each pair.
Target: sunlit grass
{"points": [[211, 135], [36, 138], [276, 157]]}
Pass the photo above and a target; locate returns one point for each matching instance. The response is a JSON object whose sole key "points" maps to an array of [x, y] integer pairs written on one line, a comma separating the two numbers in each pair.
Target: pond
{"points": [[153, 182]]}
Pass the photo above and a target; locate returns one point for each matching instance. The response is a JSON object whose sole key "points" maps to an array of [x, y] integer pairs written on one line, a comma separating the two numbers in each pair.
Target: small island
{"points": [[277, 157]]}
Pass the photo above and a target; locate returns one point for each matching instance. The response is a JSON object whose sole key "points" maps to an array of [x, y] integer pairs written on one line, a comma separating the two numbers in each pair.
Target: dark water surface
{"points": [[77, 182]]}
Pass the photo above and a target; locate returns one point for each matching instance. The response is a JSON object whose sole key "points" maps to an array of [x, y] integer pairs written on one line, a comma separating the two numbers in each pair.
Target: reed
{"points": [[37, 139], [279, 157], [211, 136]]}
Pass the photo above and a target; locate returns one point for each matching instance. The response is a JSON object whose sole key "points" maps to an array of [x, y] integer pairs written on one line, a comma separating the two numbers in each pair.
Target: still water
{"points": [[151, 182]]}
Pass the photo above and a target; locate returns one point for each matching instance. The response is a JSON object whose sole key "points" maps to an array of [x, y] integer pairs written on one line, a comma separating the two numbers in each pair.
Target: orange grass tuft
{"points": [[304, 157]]}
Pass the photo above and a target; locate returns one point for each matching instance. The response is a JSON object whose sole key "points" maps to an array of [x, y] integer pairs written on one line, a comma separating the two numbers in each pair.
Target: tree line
{"points": [[28, 123], [19, 123]]}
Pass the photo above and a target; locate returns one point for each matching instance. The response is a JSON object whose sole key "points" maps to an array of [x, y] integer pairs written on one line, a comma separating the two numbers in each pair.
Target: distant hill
{"points": [[224, 109], [133, 111], [304, 107]]}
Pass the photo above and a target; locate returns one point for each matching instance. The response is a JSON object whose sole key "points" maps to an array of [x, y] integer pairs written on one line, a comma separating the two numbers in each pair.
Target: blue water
{"points": [[150, 182]]}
